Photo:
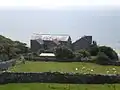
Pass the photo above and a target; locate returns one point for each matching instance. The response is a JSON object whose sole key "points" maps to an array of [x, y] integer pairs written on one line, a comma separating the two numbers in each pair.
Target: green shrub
{"points": [[94, 49], [109, 52], [102, 58], [84, 53], [35, 54], [63, 52], [78, 56], [4, 57]]}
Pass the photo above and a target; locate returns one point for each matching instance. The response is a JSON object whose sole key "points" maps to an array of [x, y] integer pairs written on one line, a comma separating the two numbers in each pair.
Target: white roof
{"points": [[47, 54], [51, 37]]}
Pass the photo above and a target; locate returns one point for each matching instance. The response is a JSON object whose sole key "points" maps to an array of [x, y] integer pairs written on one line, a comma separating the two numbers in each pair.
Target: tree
{"points": [[3, 55], [63, 52], [94, 49], [2, 50], [10, 49], [21, 46], [109, 52], [78, 56], [102, 58], [106, 55], [84, 53]]}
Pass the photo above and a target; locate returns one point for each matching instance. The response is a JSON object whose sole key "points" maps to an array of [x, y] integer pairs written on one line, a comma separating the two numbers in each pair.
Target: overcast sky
{"points": [[19, 19], [58, 3]]}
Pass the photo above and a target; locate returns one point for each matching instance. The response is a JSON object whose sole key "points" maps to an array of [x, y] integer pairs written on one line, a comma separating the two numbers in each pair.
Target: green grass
{"points": [[37, 86], [65, 67]]}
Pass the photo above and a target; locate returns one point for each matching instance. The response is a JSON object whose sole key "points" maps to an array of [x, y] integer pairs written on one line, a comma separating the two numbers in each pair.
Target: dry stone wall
{"points": [[56, 77]]}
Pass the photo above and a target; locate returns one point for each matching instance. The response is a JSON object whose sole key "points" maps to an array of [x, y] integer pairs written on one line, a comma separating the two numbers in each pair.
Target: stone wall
{"points": [[56, 77], [54, 59], [50, 59], [6, 64]]}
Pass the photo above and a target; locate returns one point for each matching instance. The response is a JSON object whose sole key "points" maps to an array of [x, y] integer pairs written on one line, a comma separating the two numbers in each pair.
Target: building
{"points": [[49, 41], [82, 43]]}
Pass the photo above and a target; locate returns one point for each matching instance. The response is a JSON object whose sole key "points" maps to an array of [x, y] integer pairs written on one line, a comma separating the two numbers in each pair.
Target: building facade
{"points": [[82, 43], [49, 42]]}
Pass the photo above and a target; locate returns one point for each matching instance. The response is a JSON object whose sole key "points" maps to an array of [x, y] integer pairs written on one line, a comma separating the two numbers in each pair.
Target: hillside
{"points": [[10, 48]]}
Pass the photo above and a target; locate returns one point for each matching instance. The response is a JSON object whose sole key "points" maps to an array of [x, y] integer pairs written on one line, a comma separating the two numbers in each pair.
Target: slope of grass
{"points": [[37, 86], [65, 67]]}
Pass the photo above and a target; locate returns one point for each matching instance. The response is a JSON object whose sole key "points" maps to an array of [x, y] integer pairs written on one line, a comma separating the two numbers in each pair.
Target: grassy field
{"points": [[65, 67], [37, 86]]}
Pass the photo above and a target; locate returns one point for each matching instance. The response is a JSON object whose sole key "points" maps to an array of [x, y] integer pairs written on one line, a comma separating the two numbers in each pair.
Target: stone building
{"points": [[49, 42], [82, 43]]}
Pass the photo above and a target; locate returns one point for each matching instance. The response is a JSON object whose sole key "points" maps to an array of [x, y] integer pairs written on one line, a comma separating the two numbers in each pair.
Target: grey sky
{"points": [[103, 25]]}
